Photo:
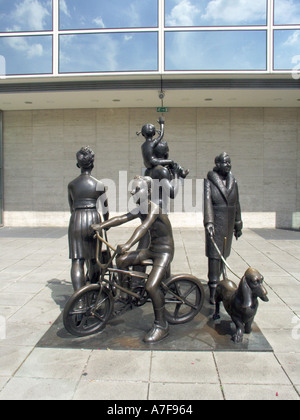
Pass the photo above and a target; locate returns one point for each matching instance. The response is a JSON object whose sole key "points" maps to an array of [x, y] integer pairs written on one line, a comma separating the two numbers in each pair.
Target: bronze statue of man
{"points": [[160, 249], [83, 194], [222, 217]]}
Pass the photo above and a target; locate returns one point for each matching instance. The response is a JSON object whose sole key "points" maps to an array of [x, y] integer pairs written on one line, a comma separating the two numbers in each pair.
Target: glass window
{"points": [[108, 52], [215, 50], [286, 49], [98, 14], [25, 15], [215, 12], [27, 54], [286, 12]]}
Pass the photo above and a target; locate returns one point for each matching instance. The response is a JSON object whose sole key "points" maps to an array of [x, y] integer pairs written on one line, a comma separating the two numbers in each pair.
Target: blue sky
{"points": [[129, 51], [26, 54], [287, 12], [222, 50], [109, 52], [90, 14], [215, 12]]}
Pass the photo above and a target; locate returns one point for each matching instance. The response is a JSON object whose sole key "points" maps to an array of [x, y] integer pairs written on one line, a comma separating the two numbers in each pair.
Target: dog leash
{"points": [[222, 258]]}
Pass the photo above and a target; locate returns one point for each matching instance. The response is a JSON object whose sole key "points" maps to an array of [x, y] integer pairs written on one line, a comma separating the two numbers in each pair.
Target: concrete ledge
{"points": [[178, 220]]}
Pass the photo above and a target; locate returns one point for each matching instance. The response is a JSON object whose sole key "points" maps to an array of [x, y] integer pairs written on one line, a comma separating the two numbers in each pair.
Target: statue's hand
{"points": [[122, 249], [174, 166], [237, 234], [210, 229], [96, 228]]}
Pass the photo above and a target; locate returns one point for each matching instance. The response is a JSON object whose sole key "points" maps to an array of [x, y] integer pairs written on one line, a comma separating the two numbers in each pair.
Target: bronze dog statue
{"points": [[241, 302]]}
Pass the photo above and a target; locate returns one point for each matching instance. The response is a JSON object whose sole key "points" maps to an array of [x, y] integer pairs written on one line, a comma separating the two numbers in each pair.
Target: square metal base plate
{"points": [[126, 332]]}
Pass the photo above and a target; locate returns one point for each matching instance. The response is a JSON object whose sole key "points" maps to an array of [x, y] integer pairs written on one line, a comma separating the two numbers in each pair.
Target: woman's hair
{"points": [[85, 158]]}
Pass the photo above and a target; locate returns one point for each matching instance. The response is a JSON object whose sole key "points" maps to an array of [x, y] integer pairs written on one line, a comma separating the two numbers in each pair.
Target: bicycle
{"points": [[90, 308]]}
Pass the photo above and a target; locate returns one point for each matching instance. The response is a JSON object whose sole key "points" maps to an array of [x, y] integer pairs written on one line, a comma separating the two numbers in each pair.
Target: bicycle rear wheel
{"points": [[184, 298], [87, 312]]}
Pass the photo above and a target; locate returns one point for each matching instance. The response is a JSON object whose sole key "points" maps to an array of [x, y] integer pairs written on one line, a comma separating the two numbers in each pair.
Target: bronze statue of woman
{"points": [[83, 193]]}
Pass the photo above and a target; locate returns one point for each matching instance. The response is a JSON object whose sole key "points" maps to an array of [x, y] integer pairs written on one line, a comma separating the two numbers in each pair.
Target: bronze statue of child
{"points": [[156, 152], [160, 249]]}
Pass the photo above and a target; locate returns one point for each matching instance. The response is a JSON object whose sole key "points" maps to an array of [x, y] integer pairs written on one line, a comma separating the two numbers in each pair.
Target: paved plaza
{"points": [[35, 285]]}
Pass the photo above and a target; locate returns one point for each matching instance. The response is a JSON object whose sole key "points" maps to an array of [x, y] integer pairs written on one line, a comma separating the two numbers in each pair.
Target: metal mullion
{"points": [[161, 36], [103, 31], [55, 41], [215, 28], [19, 34], [221, 72], [286, 27], [270, 46]]}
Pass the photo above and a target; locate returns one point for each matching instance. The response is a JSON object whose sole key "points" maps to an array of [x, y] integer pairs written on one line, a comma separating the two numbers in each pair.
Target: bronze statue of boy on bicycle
{"points": [[160, 250]]}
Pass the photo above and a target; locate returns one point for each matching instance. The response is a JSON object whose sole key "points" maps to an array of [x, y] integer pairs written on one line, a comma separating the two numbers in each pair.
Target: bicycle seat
{"points": [[139, 274], [147, 263]]}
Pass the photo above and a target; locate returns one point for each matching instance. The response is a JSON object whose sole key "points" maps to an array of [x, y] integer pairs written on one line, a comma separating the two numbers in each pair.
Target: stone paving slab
{"points": [[35, 285]]}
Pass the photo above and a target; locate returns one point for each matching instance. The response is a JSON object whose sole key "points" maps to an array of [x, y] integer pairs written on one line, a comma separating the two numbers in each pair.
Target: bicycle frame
{"points": [[106, 267]]}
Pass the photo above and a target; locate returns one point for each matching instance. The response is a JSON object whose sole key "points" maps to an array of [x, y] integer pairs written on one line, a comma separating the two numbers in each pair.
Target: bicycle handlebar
{"points": [[104, 241]]}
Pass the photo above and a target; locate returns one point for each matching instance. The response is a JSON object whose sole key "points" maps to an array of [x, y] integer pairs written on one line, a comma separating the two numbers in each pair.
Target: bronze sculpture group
{"points": [[154, 236]]}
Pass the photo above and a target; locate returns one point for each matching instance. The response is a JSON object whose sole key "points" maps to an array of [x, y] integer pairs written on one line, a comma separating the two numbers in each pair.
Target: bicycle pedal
{"points": [[122, 310]]}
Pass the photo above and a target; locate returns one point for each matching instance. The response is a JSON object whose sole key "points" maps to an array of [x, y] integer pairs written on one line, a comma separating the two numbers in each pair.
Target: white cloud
{"points": [[2, 66], [183, 14], [22, 45], [64, 8], [292, 40], [188, 12], [128, 38], [235, 11], [30, 13], [287, 11], [99, 22], [133, 16]]}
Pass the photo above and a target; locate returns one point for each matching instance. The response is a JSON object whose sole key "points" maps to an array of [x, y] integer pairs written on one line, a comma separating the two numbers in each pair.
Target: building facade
{"points": [[225, 75]]}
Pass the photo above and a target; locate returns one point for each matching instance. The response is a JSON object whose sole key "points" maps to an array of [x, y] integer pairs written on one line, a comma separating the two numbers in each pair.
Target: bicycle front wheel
{"points": [[184, 298], [88, 310]]}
